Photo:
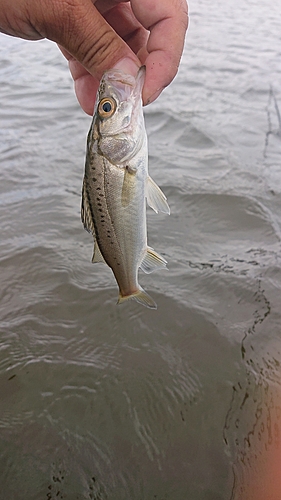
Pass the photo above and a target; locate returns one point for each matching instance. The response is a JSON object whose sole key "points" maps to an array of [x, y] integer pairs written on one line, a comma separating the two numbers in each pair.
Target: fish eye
{"points": [[106, 107]]}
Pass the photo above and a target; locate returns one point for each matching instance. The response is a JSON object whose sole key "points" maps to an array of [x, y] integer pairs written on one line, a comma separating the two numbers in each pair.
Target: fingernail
{"points": [[127, 65], [153, 96]]}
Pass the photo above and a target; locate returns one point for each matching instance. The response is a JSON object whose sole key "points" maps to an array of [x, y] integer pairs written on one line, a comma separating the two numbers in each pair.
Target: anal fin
{"points": [[152, 261]]}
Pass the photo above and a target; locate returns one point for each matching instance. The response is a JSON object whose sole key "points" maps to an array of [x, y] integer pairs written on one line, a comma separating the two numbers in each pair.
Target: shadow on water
{"points": [[112, 405], [110, 402]]}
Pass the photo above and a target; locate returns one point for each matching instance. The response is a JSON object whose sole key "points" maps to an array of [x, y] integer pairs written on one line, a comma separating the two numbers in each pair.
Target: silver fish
{"points": [[116, 185]]}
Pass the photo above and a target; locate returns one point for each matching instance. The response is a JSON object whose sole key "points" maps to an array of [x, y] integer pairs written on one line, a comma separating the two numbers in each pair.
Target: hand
{"points": [[98, 36]]}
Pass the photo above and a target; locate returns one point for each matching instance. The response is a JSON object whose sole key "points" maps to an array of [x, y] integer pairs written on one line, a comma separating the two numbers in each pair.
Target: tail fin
{"points": [[141, 297]]}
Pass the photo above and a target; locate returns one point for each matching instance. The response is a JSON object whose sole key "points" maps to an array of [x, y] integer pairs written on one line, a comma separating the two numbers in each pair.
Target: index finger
{"points": [[167, 21]]}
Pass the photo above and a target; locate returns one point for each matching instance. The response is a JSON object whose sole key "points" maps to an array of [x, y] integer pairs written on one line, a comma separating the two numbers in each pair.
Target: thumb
{"points": [[78, 27]]}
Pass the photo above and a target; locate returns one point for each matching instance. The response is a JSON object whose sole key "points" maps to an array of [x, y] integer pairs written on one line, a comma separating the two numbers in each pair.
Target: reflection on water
{"points": [[109, 402]]}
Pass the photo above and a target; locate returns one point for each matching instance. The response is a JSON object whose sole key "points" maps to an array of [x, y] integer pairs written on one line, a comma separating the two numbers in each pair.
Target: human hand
{"points": [[98, 36]]}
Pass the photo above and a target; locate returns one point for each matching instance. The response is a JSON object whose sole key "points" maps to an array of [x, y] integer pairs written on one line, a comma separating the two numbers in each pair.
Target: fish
{"points": [[117, 185]]}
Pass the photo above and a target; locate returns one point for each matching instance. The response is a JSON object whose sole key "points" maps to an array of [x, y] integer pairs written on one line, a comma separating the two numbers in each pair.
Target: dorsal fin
{"points": [[86, 215]]}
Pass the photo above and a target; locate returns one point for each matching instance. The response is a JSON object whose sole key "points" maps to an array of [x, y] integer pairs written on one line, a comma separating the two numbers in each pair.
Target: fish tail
{"points": [[141, 297]]}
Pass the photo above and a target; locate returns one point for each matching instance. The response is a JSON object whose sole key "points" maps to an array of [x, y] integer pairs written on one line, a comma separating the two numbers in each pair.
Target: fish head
{"points": [[118, 113]]}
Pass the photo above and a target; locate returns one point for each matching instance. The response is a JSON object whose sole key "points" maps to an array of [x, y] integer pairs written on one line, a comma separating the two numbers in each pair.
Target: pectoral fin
{"points": [[128, 188], [156, 198], [152, 261]]}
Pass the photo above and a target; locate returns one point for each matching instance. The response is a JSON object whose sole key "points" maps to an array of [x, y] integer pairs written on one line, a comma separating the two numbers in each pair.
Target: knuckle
{"points": [[56, 21], [100, 51]]}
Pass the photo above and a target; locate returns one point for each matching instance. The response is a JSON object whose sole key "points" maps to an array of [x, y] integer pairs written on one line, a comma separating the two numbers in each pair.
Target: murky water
{"points": [[110, 402]]}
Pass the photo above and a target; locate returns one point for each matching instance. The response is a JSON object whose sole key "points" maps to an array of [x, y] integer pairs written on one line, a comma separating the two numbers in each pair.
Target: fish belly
{"points": [[117, 200]]}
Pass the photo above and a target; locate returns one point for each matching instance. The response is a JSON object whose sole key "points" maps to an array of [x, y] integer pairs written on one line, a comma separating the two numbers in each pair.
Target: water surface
{"points": [[110, 402]]}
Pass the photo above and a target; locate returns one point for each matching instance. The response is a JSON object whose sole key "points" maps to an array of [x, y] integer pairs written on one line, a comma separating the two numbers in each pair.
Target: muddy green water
{"points": [[107, 402]]}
